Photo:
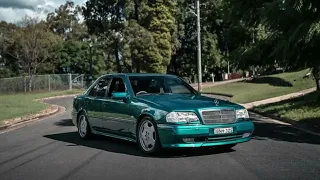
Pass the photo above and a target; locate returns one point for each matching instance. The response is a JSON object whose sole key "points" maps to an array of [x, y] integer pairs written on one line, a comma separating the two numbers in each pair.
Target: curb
{"points": [[291, 122], [51, 110], [218, 94], [278, 98], [57, 97]]}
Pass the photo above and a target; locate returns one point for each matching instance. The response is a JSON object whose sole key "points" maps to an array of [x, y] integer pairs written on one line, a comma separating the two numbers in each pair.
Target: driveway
{"points": [[51, 149]]}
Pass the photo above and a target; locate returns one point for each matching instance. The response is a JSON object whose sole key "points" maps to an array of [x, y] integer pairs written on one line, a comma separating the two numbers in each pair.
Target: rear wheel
{"points": [[147, 136], [84, 127]]}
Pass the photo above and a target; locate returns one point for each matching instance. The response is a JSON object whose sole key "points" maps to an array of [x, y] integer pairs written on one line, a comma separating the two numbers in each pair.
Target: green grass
{"points": [[12, 106], [265, 87], [305, 110]]}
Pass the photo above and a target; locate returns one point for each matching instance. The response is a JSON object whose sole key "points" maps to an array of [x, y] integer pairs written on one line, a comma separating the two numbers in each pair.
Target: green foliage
{"points": [[138, 48], [34, 44], [66, 23], [161, 24], [293, 30], [161, 36]]}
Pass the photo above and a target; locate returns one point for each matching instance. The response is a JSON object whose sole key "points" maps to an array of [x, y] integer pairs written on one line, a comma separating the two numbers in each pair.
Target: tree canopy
{"points": [[160, 36]]}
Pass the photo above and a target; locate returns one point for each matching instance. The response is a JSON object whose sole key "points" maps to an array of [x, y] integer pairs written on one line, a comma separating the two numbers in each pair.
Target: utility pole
{"points": [[199, 47], [91, 64], [228, 60]]}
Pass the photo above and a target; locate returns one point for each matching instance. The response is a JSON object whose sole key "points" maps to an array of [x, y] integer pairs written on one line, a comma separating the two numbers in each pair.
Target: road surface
{"points": [[51, 149]]}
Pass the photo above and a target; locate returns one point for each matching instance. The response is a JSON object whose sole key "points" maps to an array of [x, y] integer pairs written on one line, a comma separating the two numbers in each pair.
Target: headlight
{"points": [[242, 113], [181, 117]]}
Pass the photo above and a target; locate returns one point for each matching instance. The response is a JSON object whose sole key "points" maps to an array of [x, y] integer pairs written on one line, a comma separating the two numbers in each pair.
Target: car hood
{"points": [[188, 102]]}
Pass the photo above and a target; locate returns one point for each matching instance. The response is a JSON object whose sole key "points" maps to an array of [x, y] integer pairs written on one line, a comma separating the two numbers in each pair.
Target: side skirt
{"points": [[103, 133]]}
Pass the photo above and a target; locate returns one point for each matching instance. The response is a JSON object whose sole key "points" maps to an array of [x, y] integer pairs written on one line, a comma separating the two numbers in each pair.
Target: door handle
{"points": [[105, 104]]}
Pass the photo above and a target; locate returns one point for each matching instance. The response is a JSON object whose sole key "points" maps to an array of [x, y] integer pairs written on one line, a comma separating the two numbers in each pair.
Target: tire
{"points": [[84, 130], [148, 138]]}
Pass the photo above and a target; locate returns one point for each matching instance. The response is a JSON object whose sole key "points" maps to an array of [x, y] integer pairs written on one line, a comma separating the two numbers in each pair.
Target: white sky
{"points": [[13, 10]]}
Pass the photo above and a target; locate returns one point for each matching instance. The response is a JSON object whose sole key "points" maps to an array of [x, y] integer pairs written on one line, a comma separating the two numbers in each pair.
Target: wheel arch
{"points": [[78, 114], [142, 116]]}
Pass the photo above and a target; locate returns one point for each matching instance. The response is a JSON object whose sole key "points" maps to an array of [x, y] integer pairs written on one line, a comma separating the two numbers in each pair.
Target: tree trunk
{"points": [[138, 66], [116, 53], [30, 83], [29, 79], [316, 75], [318, 87], [136, 10]]}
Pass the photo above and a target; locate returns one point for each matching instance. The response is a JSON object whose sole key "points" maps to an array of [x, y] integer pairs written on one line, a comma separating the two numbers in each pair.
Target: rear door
{"points": [[94, 102]]}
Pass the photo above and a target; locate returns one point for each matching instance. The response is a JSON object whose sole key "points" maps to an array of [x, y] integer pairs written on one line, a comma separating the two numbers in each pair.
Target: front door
{"points": [[94, 102], [118, 118]]}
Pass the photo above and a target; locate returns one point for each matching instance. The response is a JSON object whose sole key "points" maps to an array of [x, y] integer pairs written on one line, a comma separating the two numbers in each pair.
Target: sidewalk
{"points": [[278, 99]]}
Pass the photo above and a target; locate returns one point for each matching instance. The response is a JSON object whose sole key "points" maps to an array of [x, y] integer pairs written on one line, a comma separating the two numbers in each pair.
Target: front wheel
{"points": [[83, 127], [147, 136]]}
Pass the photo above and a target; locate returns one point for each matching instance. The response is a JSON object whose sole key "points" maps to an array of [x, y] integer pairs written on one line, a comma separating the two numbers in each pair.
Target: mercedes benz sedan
{"points": [[158, 111]]}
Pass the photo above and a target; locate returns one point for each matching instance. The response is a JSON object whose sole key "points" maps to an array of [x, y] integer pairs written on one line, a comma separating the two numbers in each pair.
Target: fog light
{"points": [[246, 135], [188, 140]]}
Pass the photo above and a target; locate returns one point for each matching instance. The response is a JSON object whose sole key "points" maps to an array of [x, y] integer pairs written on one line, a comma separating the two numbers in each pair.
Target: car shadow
{"points": [[64, 122], [273, 81], [265, 129], [130, 148]]}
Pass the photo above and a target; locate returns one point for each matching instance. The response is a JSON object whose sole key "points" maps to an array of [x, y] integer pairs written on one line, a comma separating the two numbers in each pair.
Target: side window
{"points": [[100, 89], [93, 91], [117, 85]]}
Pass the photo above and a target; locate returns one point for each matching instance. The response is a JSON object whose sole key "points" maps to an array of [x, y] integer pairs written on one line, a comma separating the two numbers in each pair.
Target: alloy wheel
{"points": [[147, 136]]}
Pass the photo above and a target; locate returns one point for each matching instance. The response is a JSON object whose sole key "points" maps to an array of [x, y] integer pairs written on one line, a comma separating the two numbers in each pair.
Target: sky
{"points": [[13, 10]]}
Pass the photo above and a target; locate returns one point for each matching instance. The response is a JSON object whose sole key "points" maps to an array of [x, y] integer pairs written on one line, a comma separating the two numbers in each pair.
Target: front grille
{"points": [[218, 116]]}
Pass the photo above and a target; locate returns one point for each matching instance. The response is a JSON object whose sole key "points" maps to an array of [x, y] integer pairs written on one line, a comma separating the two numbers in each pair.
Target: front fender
{"points": [[157, 114]]}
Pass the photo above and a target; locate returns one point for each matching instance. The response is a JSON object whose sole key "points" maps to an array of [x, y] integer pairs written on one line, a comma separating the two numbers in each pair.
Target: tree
{"points": [[293, 28], [35, 44], [138, 48], [8, 63], [105, 19], [65, 21], [159, 20]]}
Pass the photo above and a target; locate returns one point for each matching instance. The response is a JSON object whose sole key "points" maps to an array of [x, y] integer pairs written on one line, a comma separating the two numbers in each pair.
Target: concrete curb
{"points": [[50, 111], [293, 123], [278, 98]]}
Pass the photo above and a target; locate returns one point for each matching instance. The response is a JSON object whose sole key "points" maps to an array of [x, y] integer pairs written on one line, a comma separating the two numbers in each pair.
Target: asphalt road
{"points": [[51, 149]]}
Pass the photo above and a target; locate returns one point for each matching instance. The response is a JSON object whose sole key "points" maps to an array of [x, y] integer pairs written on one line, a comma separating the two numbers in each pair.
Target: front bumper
{"points": [[174, 136]]}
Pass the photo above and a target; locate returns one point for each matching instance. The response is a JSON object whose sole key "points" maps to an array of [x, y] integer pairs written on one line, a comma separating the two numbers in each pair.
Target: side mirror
{"points": [[119, 95]]}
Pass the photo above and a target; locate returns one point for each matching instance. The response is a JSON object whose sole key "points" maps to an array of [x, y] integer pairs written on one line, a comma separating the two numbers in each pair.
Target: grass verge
{"points": [[265, 87], [304, 111], [12, 106]]}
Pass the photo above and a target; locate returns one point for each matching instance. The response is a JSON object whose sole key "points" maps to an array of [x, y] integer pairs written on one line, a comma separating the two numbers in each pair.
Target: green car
{"points": [[158, 111]]}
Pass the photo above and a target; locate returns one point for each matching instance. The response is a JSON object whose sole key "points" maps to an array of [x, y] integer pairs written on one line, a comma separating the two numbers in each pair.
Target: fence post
{"points": [[82, 81], [70, 81], [49, 79], [25, 83]]}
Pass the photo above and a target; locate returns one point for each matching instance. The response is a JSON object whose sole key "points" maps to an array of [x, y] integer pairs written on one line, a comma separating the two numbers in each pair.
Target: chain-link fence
{"points": [[49, 82]]}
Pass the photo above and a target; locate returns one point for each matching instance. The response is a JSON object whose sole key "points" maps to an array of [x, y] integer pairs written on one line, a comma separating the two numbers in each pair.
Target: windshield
{"points": [[143, 85]]}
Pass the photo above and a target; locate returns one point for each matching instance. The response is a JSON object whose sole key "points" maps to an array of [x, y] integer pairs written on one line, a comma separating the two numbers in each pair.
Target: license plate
{"points": [[223, 130]]}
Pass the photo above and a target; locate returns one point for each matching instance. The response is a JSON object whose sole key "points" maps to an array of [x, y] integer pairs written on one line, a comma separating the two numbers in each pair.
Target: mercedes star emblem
{"points": [[216, 102]]}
